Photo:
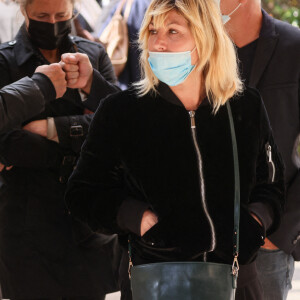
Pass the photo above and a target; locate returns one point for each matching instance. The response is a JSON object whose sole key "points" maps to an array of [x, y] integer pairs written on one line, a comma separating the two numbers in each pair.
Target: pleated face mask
{"points": [[48, 36], [172, 68]]}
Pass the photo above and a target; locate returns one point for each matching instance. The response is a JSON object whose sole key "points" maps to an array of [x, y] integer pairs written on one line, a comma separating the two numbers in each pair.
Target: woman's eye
{"points": [[173, 31], [60, 16], [152, 31]]}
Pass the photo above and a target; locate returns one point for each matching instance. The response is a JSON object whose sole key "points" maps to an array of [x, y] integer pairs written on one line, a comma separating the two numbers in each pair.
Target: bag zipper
{"points": [[202, 185], [271, 165]]}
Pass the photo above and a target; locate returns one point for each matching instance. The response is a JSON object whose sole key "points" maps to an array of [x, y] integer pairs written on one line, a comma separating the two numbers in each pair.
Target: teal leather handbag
{"points": [[192, 280]]}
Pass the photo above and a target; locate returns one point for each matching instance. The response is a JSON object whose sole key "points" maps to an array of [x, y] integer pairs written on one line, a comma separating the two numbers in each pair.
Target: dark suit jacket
{"points": [[276, 74]]}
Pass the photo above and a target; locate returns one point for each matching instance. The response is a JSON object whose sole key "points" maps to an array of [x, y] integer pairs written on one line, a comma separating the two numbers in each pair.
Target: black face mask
{"points": [[48, 36]]}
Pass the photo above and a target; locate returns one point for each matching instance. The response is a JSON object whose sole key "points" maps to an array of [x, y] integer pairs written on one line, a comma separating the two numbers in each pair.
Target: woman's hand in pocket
{"points": [[268, 244], [149, 219]]}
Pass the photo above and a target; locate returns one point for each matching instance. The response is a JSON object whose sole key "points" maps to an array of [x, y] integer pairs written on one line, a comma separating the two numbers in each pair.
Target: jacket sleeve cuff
{"points": [[263, 212], [100, 89], [130, 215], [45, 85]]}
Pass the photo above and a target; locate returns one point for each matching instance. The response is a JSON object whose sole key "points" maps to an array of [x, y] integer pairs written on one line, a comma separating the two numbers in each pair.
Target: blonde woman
{"points": [[157, 163]]}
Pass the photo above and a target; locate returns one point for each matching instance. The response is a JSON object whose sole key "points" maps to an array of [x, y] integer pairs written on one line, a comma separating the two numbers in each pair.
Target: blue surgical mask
{"points": [[171, 68]]}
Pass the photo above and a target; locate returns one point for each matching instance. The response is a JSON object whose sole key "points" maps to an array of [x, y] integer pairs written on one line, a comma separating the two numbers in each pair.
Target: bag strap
{"points": [[127, 9], [236, 231], [119, 8]]}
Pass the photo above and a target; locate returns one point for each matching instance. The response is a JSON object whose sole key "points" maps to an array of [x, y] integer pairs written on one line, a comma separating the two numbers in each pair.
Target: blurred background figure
{"points": [[131, 72], [92, 14], [89, 12], [10, 20], [94, 17]]}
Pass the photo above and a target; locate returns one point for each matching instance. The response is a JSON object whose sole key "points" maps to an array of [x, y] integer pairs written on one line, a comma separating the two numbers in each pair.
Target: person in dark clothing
{"points": [[39, 255], [157, 162], [21, 100], [269, 54]]}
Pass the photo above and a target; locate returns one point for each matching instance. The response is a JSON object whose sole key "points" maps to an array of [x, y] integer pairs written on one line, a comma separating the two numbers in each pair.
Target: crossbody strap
{"points": [[120, 7], [127, 9], [236, 230]]}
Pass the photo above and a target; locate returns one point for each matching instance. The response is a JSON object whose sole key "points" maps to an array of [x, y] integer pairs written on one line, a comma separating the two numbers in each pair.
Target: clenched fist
{"points": [[79, 71], [57, 76]]}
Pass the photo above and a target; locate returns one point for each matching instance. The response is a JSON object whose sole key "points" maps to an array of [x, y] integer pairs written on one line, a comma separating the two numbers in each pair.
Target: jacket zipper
{"points": [[202, 185], [271, 165]]}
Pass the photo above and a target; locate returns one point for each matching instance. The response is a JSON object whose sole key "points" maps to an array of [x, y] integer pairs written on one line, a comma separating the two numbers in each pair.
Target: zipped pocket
{"points": [[271, 166]]}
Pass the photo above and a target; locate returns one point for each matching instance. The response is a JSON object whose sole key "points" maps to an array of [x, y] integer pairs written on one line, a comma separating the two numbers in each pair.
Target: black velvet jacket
{"points": [[140, 154]]}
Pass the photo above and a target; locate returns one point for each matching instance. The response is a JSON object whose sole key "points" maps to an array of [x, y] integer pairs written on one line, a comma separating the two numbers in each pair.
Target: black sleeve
{"points": [[104, 82], [19, 101], [21, 148], [130, 215], [96, 189], [290, 223], [45, 85], [269, 189], [23, 99], [103, 85]]}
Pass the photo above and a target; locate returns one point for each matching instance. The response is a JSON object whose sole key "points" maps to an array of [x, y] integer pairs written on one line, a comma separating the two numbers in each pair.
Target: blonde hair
{"points": [[217, 58]]}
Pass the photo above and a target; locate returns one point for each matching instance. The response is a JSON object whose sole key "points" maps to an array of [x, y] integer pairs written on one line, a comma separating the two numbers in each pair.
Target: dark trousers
{"points": [[249, 287]]}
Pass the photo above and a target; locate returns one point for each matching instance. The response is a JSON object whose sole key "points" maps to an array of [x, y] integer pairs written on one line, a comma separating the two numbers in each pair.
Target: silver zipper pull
{"points": [[270, 163], [269, 153], [192, 116]]}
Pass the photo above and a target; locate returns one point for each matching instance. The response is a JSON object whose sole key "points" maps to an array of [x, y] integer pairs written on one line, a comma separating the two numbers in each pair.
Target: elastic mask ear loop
{"points": [[226, 18], [235, 10], [193, 50]]}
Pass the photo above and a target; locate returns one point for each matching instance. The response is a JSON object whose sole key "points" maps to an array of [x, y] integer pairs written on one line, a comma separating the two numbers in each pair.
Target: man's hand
{"points": [[38, 127], [149, 220], [57, 76], [79, 71]]}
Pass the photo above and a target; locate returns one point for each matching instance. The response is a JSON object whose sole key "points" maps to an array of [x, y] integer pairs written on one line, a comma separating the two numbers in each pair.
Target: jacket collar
{"points": [[166, 93], [24, 49], [265, 47]]}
